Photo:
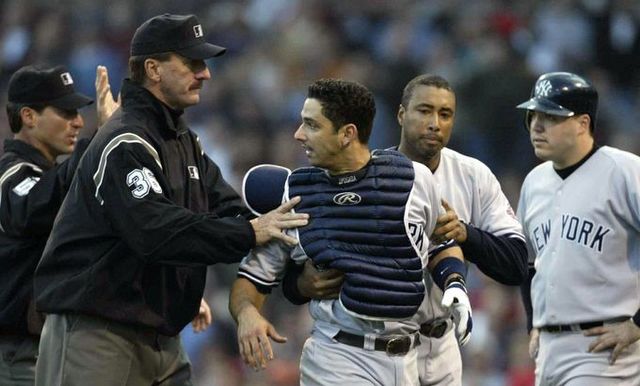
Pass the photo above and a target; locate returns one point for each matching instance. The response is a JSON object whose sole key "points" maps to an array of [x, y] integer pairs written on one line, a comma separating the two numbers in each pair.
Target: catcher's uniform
{"points": [[351, 342]]}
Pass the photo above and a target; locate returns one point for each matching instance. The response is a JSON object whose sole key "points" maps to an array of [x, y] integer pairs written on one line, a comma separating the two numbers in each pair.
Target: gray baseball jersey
{"points": [[584, 236], [265, 266], [474, 192]]}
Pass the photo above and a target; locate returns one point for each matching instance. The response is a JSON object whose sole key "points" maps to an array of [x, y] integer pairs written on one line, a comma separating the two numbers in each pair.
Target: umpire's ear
{"points": [[263, 187]]}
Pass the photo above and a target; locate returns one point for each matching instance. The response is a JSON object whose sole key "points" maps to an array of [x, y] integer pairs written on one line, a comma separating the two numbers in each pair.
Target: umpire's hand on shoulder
{"points": [[270, 225], [455, 298]]}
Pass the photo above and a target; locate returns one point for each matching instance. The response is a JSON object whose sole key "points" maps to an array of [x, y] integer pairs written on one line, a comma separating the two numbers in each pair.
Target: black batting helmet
{"points": [[563, 94]]}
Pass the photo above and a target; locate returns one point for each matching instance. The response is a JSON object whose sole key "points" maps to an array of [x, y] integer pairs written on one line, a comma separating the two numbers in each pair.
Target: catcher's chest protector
{"points": [[357, 225]]}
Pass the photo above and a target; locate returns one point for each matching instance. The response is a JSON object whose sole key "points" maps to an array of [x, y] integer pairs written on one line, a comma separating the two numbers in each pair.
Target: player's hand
{"points": [[534, 343], [106, 104], [617, 336], [449, 227], [455, 298], [270, 225], [254, 332], [203, 320], [316, 284]]}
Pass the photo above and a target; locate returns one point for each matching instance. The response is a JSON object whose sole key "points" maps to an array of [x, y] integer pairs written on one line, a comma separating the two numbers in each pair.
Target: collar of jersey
{"points": [[566, 172], [28, 152]]}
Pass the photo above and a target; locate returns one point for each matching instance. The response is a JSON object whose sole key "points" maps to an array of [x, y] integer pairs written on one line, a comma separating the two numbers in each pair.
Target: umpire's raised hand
{"points": [[106, 104], [270, 225]]}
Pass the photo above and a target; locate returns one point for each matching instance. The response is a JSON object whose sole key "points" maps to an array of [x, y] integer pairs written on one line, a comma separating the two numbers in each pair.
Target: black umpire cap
{"points": [[46, 86], [182, 34]]}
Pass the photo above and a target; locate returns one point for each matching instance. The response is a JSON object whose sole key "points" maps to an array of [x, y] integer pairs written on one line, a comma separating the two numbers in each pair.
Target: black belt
{"points": [[392, 345], [434, 329], [581, 326]]}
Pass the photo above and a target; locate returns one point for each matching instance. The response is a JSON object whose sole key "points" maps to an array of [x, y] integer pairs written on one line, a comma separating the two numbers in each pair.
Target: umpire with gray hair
{"points": [[125, 267]]}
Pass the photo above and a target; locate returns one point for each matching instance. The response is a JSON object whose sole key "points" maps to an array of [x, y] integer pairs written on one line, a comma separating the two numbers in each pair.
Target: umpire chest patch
{"points": [[23, 188], [193, 172]]}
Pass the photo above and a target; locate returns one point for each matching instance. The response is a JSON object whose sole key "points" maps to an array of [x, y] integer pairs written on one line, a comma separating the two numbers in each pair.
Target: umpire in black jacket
{"points": [[43, 115], [125, 267]]}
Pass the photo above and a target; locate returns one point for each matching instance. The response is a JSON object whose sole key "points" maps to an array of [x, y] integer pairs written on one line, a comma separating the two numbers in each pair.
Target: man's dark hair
{"points": [[137, 72], [423, 80], [13, 113], [345, 102]]}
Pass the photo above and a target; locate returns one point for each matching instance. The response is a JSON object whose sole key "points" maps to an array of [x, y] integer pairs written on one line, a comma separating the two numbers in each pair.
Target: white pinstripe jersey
{"points": [[583, 233], [474, 192]]}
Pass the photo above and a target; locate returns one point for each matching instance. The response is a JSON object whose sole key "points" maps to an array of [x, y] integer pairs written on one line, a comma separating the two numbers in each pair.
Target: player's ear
{"points": [[349, 133], [585, 123], [400, 115]]}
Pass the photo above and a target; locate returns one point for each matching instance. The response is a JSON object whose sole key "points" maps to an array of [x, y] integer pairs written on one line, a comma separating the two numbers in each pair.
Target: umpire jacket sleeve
{"points": [[30, 197], [502, 258], [135, 197]]}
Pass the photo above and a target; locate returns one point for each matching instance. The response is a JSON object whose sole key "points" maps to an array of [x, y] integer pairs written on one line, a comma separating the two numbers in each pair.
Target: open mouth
{"points": [[307, 150]]}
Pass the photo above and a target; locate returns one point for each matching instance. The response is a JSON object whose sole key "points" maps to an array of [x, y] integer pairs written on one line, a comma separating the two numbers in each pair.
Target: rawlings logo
{"points": [[543, 88], [347, 198]]}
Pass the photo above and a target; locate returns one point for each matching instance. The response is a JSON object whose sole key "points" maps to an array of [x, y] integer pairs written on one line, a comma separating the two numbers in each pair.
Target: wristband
{"points": [[445, 268]]}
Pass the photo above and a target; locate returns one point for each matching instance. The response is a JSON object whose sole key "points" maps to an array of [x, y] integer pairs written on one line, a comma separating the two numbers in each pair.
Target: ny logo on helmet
{"points": [[347, 198], [543, 88]]}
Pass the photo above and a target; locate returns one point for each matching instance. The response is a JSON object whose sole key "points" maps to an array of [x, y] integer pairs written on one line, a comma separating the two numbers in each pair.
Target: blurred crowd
{"points": [[490, 50]]}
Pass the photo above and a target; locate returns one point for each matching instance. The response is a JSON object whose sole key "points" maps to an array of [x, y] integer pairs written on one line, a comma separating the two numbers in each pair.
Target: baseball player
{"points": [[370, 216], [580, 212], [124, 268], [478, 217]]}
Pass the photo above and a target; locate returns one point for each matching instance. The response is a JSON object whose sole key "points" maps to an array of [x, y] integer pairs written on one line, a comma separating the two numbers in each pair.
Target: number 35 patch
{"points": [[143, 181]]}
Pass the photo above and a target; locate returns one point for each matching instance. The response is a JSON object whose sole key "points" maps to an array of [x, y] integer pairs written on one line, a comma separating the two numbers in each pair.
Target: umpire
{"points": [[125, 267], [43, 115]]}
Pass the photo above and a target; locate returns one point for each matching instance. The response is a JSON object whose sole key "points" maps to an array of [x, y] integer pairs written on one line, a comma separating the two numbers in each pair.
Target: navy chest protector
{"points": [[357, 226]]}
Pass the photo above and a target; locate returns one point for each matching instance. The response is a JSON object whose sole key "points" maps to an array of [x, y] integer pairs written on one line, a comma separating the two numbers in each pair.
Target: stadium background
{"points": [[490, 50]]}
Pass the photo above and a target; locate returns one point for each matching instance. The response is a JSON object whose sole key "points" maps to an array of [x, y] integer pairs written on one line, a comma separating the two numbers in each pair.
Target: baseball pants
{"points": [[563, 360], [18, 356], [326, 362], [439, 360], [78, 350]]}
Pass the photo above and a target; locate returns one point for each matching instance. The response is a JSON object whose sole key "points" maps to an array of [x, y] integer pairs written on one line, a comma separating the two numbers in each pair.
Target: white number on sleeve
{"points": [[417, 234], [143, 181]]}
